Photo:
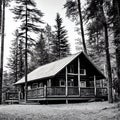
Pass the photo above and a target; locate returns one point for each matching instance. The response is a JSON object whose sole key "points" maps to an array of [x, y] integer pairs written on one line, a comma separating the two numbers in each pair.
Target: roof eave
{"points": [[35, 80]]}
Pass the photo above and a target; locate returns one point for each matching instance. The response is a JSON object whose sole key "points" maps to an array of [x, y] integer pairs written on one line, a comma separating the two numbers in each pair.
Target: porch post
{"points": [[19, 94], [66, 85], [102, 83], [45, 91], [95, 88], [79, 75]]}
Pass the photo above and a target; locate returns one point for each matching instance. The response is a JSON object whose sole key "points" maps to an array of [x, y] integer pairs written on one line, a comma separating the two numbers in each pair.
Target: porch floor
{"points": [[75, 98]]}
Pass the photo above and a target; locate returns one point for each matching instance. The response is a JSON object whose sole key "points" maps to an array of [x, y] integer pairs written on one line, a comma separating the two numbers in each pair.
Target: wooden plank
{"points": [[72, 74], [45, 91], [56, 96], [79, 74], [95, 88], [71, 98]]}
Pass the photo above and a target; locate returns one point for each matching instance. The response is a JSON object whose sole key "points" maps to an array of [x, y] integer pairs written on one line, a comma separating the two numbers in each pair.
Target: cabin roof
{"points": [[51, 69]]}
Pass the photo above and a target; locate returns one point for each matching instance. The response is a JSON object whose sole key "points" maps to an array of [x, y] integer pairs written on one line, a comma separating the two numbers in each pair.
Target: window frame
{"points": [[84, 72], [71, 83], [61, 82], [34, 84], [83, 84]]}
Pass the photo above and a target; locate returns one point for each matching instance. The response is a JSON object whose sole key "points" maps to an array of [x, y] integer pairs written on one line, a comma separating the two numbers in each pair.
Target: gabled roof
{"points": [[51, 69]]}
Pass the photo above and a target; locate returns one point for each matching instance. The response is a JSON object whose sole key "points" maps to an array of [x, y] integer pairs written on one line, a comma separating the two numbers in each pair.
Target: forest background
{"points": [[97, 24]]}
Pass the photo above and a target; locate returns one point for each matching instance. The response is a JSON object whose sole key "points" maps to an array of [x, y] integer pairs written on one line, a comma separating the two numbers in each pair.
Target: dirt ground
{"points": [[76, 111]]}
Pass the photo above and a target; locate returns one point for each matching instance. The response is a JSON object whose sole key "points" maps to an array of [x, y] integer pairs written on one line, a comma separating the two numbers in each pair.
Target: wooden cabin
{"points": [[72, 78]]}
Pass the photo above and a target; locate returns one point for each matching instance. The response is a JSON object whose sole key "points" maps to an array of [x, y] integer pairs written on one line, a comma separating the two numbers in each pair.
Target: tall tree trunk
{"points": [[108, 64], [26, 64], [81, 26], [118, 66], [16, 61], [2, 47], [0, 14], [1, 52], [116, 9]]}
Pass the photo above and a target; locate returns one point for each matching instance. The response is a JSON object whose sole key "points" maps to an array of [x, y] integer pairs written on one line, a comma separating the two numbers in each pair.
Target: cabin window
{"points": [[29, 87], [49, 83], [82, 71], [62, 83], [71, 82], [91, 84], [40, 84], [34, 85], [82, 83], [71, 68]]}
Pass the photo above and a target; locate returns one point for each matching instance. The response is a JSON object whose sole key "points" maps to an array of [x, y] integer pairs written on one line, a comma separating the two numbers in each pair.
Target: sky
{"points": [[49, 9]]}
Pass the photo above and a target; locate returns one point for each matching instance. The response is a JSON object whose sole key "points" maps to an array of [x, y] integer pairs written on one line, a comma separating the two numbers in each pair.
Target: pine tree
{"points": [[40, 54], [96, 43], [41, 51], [49, 38], [21, 59], [30, 16], [15, 61], [116, 28], [60, 43], [96, 12], [33, 19]]}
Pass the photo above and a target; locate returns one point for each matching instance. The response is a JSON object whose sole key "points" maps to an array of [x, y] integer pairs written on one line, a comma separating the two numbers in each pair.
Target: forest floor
{"points": [[76, 111]]}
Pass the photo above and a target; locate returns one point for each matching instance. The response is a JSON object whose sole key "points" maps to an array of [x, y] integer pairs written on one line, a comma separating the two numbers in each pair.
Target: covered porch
{"points": [[72, 78], [55, 93], [68, 86]]}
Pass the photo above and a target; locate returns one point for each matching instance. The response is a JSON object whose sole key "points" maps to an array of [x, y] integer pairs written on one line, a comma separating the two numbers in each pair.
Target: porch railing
{"points": [[55, 91], [101, 92], [12, 95], [61, 91], [35, 93], [44, 92], [87, 92], [73, 91]]}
